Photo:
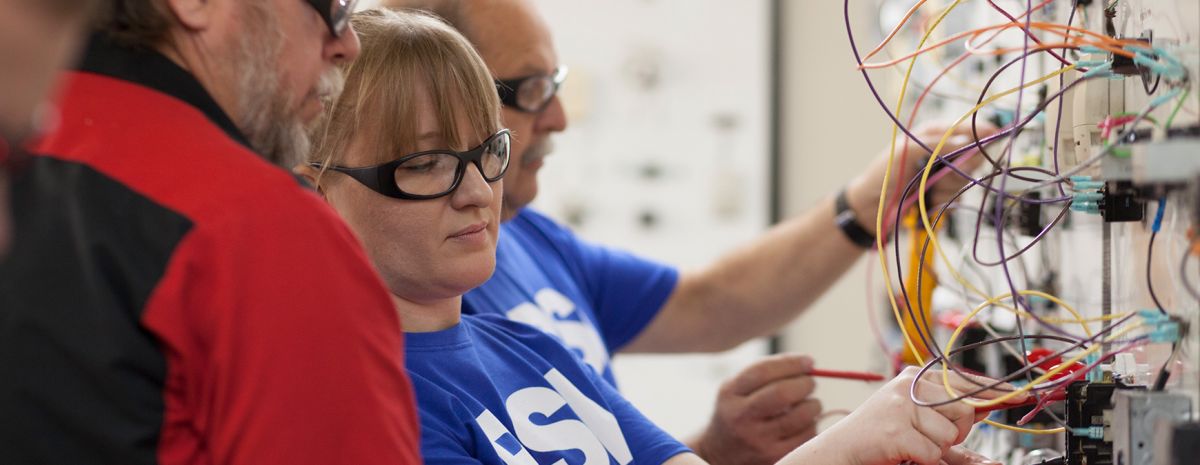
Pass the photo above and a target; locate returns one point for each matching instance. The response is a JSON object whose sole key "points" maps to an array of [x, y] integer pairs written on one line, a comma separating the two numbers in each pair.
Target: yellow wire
{"points": [[933, 158], [1039, 380], [908, 340], [887, 277], [996, 302]]}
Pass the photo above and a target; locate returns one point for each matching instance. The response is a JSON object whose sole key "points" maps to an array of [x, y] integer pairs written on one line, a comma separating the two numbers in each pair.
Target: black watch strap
{"points": [[847, 221]]}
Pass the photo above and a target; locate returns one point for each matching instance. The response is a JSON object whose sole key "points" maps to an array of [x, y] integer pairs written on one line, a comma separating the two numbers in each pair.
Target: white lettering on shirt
{"points": [[596, 433], [549, 315]]}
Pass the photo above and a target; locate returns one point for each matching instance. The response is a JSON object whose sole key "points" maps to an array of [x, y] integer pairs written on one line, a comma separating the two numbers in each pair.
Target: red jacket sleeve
{"points": [[282, 344]]}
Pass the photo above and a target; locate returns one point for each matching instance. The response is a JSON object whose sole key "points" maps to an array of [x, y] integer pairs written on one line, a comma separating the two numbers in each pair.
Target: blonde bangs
{"points": [[405, 53]]}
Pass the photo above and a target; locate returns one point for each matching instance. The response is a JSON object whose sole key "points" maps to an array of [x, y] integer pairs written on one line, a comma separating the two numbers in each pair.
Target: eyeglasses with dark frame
{"points": [[433, 173], [531, 94], [335, 13]]}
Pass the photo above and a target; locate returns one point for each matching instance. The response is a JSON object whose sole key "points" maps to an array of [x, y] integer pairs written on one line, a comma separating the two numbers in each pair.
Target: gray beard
{"points": [[267, 116]]}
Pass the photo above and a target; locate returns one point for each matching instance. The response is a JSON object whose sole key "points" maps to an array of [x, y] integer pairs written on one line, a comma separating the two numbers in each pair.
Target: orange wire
{"points": [[895, 30], [1109, 44], [968, 44], [925, 93]]}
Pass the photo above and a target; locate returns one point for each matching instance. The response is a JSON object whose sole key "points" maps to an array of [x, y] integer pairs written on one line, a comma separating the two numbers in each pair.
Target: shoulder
{"points": [[532, 222], [170, 153]]}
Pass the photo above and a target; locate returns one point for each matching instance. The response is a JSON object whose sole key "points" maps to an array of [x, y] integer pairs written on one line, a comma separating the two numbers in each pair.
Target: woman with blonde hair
{"points": [[412, 155]]}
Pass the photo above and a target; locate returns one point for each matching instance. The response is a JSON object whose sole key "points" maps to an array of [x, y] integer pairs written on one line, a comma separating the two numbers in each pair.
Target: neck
{"points": [[426, 317], [186, 52]]}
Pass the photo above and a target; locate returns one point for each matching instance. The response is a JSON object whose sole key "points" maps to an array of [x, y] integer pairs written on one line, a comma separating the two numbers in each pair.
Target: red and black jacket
{"points": [[172, 298]]}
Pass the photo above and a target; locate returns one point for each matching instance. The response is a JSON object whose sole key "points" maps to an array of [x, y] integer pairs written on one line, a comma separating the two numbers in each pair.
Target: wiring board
{"points": [[1066, 264]]}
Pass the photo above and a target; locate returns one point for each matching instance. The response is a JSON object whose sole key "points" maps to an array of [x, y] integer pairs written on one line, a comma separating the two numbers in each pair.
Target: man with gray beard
{"points": [[172, 295]]}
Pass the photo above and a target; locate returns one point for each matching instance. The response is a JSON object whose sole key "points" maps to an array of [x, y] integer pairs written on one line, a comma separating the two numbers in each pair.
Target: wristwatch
{"points": [[847, 221]]}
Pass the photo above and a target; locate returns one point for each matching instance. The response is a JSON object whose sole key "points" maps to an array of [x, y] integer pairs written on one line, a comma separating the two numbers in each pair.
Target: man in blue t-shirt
{"points": [[600, 301]]}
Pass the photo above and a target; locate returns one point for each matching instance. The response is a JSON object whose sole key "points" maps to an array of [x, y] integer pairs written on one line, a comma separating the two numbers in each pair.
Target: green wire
{"points": [[1178, 106]]}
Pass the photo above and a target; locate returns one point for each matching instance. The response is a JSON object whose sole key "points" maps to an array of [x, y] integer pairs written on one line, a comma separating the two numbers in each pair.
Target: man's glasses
{"points": [[336, 13], [433, 173], [531, 94]]}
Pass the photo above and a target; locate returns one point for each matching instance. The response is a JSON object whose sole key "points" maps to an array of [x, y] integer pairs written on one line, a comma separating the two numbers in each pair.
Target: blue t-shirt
{"points": [[594, 299], [495, 392]]}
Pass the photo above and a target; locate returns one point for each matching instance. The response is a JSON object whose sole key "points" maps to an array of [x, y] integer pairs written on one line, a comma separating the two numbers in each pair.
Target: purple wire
{"points": [[879, 98], [945, 158], [1058, 119], [1018, 302], [1022, 371], [978, 142], [979, 219], [1027, 31]]}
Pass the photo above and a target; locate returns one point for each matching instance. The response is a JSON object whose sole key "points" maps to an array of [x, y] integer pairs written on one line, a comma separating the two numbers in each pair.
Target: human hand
{"points": [[762, 414], [863, 191], [960, 456], [889, 428]]}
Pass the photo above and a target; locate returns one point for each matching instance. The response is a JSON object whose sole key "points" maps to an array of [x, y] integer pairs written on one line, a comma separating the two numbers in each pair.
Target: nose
{"points": [[473, 190], [553, 118], [344, 48]]}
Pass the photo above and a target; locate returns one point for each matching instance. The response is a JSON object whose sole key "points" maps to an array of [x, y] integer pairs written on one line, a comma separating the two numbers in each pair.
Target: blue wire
{"points": [[1162, 207]]}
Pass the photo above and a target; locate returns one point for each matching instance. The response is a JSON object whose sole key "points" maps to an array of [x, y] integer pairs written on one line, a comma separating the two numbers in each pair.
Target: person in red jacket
{"points": [[172, 296], [37, 39]]}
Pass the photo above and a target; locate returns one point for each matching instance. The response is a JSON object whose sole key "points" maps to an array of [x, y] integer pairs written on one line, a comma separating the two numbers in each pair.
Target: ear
{"points": [[194, 14], [310, 175]]}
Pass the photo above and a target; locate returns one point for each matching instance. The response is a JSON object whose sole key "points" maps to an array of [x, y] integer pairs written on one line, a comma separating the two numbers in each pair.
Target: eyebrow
{"points": [[529, 69], [431, 135]]}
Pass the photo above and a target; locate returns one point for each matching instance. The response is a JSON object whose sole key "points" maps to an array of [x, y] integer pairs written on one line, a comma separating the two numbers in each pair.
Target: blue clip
{"points": [[1158, 217], [1093, 432], [1136, 48], [1094, 375], [1082, 186], [1162, 53], [1102, 70], [1092, 208], [1154, 65], [1163, 328], [1164, 98]]}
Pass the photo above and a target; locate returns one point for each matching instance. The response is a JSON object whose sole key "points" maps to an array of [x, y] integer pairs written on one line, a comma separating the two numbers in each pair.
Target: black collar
{"points": [[151, 69]]}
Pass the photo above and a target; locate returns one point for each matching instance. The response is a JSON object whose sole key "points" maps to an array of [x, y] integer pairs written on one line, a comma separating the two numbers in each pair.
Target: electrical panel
{"points": [[1068, 264]]}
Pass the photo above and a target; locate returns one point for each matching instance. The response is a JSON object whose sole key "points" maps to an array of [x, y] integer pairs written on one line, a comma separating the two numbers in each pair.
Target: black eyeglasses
{"points": [[531, 94], [433, 173], [336, 13]]}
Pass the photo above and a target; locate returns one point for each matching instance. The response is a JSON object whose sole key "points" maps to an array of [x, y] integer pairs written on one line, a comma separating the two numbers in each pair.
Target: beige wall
{"points": [[832, 128]]}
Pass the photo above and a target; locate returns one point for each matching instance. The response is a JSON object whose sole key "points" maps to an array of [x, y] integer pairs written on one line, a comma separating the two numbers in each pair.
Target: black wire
{"points": [[1014, 375], [924, 331], [1150, 282], [1146, 87], [997, 385], [1160, 381]]}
